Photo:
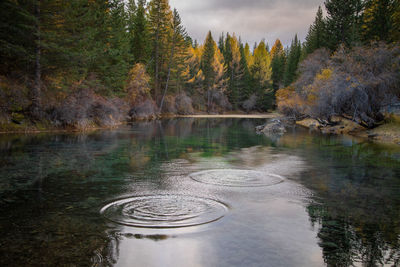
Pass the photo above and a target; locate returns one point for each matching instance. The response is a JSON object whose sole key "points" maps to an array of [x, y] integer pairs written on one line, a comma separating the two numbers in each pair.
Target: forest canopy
{"points": [[133, 52]]}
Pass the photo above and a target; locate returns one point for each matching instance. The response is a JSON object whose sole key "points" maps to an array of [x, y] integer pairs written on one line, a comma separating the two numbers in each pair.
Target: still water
{"points": [[198, 192]]}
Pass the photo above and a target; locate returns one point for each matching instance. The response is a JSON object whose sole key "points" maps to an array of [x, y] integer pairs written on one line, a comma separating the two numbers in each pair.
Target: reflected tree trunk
{"points": [[36, 88]]}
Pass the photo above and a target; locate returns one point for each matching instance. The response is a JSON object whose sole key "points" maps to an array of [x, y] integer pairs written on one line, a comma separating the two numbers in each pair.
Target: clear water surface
{"points": [[198, 192]]}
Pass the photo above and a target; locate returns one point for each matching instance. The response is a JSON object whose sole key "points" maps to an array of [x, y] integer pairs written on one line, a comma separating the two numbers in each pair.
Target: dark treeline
{"points": [[136, 57], [350, 64], [137, 51]]}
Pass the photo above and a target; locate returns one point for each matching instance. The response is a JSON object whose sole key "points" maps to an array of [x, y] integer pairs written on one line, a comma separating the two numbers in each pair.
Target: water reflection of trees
{"points": [[346, 240], [357, 198]]}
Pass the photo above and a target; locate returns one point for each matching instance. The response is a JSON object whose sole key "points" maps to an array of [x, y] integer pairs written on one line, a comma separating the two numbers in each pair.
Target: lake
{"points": [[198, 192]]}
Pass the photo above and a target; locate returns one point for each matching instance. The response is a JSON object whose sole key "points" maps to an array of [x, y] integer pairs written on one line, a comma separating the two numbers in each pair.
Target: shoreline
{"points": [[30, 129], [387, 133], [231, 116]]}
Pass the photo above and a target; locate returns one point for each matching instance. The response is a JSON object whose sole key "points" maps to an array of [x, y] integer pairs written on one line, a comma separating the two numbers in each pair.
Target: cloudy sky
{"points": [[253, 20]]}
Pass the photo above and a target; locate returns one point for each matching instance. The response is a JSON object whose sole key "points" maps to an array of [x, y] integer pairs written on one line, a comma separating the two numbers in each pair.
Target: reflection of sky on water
{"points": [[264, 225], [173, 252]]}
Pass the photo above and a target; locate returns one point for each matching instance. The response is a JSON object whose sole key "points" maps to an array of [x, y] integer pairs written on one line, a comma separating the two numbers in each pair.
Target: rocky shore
{"points": [[388, 132]]}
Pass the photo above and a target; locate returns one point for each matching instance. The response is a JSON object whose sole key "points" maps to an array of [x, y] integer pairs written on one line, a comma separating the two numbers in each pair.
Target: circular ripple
{"points": [[237, 178], [164, 211]]}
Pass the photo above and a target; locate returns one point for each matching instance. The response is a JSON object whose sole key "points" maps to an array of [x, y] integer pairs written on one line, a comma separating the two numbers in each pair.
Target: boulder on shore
{"points": [[84, 109], [184, 105], [145, 110], [339, 125]]}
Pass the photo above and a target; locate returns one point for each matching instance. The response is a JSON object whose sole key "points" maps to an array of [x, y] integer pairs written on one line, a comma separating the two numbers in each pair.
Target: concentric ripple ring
{"points": [[164, 211], [237, 178]]}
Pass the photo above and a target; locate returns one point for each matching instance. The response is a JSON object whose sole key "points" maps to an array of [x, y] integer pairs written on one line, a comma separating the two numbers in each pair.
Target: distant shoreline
{"points": [[232, 116], [32, 128]]}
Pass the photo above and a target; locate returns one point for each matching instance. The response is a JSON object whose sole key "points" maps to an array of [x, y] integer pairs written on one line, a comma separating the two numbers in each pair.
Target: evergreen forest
{"points": [[81, 63]]}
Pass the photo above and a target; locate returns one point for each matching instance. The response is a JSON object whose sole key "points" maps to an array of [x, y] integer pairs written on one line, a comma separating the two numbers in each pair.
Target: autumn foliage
{"points": [[354, 83], [137, 88]]}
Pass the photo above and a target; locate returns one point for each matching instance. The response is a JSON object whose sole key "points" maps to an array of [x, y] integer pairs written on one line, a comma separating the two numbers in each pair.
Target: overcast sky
{"points": [[254, 20]]}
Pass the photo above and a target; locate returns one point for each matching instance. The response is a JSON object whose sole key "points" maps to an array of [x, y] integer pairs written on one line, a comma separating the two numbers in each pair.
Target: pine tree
{"points": [[26, 37], [207, 66], [177, 46], [89, 40], [160, 16], [261, 73], [246, 89], [292, 62], [248, 55], [343, 22], [316, 37], [118, 54], [377, 20], [221, 43], [278, 64], [93, 39], [131, 13], [178, 68], [140, 35], [16, 36], [227, 51], [234, 72]]}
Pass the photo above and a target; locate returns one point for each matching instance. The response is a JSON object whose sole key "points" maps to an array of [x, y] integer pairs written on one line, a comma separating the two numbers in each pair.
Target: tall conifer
{"points": [[292, 61], [278, 64], [160, 16], [206, 66], [316, 37], [140, 35], [343, 22]]}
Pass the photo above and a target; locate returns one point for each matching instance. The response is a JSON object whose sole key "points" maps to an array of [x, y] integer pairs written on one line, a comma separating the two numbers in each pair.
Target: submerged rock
{"points": [[272, 127]]}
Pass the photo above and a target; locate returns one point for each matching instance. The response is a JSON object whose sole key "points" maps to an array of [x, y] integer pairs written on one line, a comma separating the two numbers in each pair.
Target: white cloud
{"points": [[253, 20]]}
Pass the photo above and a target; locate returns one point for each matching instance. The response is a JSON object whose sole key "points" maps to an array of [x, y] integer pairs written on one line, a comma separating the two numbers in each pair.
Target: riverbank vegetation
{"points": [[81, 64], [351, 66], [87, 63]]}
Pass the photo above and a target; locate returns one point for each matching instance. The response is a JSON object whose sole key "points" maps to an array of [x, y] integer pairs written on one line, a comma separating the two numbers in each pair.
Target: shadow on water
{"points": [[53, 186]]}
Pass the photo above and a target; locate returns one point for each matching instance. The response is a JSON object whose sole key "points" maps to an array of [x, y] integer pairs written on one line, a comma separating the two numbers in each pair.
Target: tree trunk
{"points": [[156, 59], [36, 88], [208, 100], [233, 87], [169, 73]]}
